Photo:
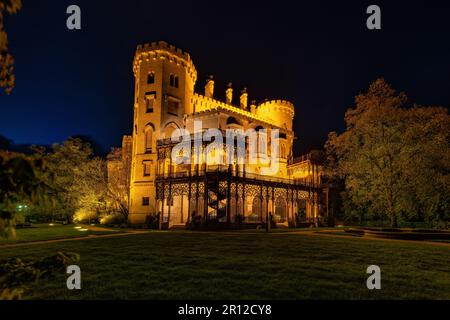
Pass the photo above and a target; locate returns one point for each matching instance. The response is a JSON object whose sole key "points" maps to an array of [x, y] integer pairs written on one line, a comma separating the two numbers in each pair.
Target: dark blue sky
{"points": [[317, 54]]}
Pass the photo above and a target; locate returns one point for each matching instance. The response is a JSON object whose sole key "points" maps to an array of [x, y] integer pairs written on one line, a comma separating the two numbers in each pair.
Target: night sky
{"points": [[317, 54]]}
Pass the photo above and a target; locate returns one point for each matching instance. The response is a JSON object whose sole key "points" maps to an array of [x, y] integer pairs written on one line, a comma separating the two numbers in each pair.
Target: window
{"points": [[172, 107], [147, 168], [148, 139], [173, 104], [151, 78], [261, 146], [174, 80], [149, 102], [150, 99], [283, 151], [145, 201]]}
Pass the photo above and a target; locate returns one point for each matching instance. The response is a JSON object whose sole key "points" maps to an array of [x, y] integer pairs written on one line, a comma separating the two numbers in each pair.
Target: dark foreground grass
{"points": [[47, 232], [184, 265]]}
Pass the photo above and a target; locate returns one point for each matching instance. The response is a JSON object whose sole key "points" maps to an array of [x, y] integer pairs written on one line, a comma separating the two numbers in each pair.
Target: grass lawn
{"points": [[47, 232], [188, 265]]}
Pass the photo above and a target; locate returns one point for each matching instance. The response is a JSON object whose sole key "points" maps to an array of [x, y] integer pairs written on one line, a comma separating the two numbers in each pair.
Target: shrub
{"points": [[152, 221], [239, 218], [16, 276], [85, 215], [196, 222], [113, 219]]}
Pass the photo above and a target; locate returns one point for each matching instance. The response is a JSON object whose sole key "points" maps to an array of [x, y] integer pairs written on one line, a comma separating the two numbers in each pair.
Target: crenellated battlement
{"points": [[163, 50], [280, 112], [279, 102], [203, 103], [278, 106], [162, 45]]}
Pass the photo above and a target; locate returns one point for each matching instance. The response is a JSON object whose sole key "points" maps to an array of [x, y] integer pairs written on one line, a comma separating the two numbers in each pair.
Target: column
{"points": [[161, 218]]}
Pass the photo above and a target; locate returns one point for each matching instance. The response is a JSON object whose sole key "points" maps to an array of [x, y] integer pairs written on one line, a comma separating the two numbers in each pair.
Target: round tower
{"points": [[279, 112], [164, 84], [167, 75]]}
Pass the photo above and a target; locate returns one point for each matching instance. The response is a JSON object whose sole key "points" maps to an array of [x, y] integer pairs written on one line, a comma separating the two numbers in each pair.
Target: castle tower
{"points": [[164, 84], [281, 114]]}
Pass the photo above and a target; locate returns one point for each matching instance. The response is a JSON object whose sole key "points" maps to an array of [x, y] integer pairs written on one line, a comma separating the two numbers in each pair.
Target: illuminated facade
{"points": [[223, 192]]}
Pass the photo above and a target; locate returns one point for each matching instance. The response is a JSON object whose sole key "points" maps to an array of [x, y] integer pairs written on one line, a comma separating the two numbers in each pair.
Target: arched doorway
{"points": [[255, 215], [169, 129], [301, 210], [280, 210]]}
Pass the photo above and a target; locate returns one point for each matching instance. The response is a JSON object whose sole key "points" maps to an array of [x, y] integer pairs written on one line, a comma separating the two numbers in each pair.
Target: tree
{"points": [[118, 190], [65, 166], [428, 189], [90, 184], [22, 182], [393, 160], [78, 177], [6, 59]]}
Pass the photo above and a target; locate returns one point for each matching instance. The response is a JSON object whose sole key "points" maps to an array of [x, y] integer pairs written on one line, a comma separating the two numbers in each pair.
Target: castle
{"points": [[225, 192]]}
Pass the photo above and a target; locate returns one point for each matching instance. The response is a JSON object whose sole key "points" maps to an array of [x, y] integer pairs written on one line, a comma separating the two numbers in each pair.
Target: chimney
{"points": [[253, 106], [229, 94], [244, 98], [209, 87]]}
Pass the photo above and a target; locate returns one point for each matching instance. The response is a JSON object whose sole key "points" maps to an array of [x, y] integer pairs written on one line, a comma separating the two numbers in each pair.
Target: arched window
{"points": [[261, 147], [174, 80], [283, 151], [280, 210], [148, 139], [169, 129], [232, 120], [256, 214], [151, 77], [150, 99]]}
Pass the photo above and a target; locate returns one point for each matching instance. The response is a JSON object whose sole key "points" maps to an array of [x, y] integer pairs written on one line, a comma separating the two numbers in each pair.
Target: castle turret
{"points": [[209, 87], [244, 99], [278, 112], [229, 94], [253, 107]]}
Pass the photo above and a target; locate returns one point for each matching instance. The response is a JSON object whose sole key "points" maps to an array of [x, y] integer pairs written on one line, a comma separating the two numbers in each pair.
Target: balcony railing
{"points": [[212, 169]]}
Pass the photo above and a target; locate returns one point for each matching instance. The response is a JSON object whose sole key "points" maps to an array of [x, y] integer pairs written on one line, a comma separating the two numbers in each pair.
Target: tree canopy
{"points": [[6, 59], [394, 160], [22, 181]]}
